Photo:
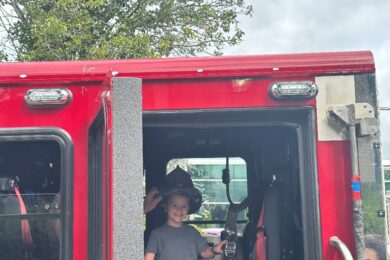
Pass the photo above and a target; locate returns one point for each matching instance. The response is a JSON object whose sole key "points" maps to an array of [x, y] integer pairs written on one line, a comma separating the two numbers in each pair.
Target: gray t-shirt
{"points": [[176, 243]]}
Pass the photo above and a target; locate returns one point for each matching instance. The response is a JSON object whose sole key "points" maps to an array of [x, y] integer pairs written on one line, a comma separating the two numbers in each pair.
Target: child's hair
{"points": [[377, 243], [168, 198]]}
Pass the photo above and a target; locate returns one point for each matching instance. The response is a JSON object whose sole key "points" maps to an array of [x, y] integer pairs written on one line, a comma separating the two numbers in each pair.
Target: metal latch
{"points": [[358, 114], [230, 249]]}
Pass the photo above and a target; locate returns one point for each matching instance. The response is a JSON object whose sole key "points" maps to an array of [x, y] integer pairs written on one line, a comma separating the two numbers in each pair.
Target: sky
{"points": [[281, 26]]}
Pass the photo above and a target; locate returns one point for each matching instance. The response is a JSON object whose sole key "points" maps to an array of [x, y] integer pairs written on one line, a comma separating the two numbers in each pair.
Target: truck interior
{"points": [[267, 153], [29, 198]]}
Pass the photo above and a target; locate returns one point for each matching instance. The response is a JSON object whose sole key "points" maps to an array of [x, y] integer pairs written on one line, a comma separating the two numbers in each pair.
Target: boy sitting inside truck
{"points": [[176, 240]]}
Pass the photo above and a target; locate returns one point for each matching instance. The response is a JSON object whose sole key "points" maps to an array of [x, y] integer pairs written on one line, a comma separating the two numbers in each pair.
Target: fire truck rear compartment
{"points": [[269, 141]]}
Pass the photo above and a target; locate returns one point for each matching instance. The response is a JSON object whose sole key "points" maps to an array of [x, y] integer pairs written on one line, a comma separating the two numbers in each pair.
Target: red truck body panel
{"points": [[184, 84]]}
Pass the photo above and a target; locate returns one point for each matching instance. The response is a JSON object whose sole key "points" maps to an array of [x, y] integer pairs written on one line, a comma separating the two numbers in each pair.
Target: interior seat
{"points": [[15, 239]]}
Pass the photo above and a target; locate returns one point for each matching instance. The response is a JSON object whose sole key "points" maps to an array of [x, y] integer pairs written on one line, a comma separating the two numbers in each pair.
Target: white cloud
{"points": [[279, 26]]}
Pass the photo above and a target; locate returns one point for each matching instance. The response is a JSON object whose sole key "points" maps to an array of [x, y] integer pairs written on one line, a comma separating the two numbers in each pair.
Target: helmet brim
{"points": [[193, 194]]}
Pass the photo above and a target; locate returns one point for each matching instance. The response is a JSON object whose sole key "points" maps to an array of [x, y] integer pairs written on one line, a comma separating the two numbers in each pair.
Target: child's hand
{"points": [[217, 249]]}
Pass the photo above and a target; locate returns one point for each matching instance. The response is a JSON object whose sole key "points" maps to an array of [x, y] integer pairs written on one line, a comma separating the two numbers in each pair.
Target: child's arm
{"points": [[210, 252], [149, 256]]}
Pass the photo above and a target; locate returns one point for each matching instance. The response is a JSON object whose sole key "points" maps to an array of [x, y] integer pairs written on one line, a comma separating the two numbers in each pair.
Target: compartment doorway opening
{"points": [[265, 151]]}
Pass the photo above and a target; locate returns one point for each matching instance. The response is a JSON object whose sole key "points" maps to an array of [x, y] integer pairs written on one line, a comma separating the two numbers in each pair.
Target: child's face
{"points": [[177, 209]]}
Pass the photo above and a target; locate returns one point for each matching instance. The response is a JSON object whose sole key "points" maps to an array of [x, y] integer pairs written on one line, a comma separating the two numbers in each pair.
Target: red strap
{"points": [[261, 249], [26, 232]]}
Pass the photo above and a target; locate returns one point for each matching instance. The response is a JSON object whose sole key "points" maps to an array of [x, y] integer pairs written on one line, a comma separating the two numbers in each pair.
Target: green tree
{"points": [[372, 202], [110, 29], [3, 56]]}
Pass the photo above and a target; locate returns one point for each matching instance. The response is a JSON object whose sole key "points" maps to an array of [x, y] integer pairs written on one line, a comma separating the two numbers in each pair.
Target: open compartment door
{"points": [[127, 167]]}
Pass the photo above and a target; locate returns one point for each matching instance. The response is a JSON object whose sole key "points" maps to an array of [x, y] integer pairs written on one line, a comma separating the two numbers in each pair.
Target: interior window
{"points": [[30, 208], [206, 174]]}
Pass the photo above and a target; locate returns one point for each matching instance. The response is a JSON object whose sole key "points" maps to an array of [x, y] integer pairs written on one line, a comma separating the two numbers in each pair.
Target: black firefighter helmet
{"points": [[179, 181]]}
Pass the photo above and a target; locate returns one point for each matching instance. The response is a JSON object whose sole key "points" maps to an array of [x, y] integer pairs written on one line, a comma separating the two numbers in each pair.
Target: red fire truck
{"points": [[81, 141]]}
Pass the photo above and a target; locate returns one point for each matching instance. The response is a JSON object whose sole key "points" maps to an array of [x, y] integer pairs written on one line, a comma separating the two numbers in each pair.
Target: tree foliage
{"points": [[109, 29], [372, 202]]}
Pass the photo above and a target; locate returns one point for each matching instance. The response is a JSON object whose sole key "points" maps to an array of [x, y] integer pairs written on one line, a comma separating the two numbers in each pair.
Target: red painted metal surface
{"points": [[334, 175], [212, 93], [281, 65], [75, 119]]}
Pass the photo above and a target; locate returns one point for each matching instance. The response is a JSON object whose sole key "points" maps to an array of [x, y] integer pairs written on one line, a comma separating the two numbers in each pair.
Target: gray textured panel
{"points": [[128, 165], [367, 159]]}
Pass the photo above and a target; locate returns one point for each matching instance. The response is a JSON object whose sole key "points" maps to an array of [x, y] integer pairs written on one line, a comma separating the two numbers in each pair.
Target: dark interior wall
{"points": [[264, 139], [36, 163], [267, 148]]}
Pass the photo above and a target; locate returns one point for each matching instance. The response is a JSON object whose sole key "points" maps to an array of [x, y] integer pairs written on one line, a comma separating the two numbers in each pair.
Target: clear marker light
{"points": [[293, 90], [48, 97]]}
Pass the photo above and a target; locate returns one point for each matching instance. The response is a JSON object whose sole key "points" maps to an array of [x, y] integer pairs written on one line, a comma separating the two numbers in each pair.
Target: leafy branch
{"points": [[107, 29]]}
